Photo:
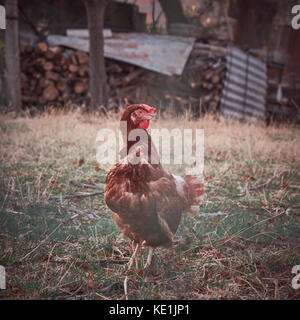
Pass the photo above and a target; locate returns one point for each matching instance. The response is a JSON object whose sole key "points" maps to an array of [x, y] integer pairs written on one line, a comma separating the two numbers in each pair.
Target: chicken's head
{"points": [[138, 116]]}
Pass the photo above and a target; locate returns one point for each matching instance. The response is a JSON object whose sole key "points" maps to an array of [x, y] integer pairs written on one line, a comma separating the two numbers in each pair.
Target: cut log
{"points": [[82, 69], [39, 61], [74, 59], [62, 85], [50, 93], [48, 66], [42, 46], [215, 79], [73, 68], [37, 75], [52, 76], [79, 87], [49, 54], [82, 57]]}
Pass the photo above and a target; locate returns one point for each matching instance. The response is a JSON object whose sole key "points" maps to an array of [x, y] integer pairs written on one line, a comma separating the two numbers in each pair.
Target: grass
{"points": [[242, 245]]}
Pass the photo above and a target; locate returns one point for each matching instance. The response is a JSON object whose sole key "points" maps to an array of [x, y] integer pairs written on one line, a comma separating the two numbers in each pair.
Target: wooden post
{"points": [[12, 56], [97, 83]]}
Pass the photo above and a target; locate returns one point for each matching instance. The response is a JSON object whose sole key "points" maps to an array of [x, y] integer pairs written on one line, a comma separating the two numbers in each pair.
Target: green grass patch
{"points": [[242, 244]]}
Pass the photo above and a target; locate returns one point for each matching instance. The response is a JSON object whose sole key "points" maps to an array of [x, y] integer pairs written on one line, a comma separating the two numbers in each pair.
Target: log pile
{"points": [[199, 88], [59, 76], [54, 75]]}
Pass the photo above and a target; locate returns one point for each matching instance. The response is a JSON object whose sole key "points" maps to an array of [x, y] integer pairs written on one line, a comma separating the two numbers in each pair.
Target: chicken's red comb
{"points": [[147, 108]]}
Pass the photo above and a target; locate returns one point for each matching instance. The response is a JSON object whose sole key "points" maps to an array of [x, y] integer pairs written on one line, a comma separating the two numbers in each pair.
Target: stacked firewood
{"points": [[199, 89], [58, 76], [53, 75]]}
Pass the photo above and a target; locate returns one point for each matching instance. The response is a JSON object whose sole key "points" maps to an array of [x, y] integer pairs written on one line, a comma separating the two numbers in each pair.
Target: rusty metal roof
{"points": [[161, 53]]}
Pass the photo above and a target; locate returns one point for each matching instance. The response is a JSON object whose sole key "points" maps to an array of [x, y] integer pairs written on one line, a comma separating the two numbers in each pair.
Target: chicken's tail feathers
{"points": [[195, 191]]}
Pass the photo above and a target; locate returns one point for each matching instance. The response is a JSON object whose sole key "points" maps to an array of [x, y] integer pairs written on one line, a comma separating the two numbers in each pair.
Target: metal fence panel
{"points": [[244, 91]]}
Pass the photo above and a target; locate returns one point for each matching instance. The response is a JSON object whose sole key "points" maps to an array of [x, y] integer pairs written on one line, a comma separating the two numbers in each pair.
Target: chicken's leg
{"points": [[134, 256], [149, 258], [171, 252]]}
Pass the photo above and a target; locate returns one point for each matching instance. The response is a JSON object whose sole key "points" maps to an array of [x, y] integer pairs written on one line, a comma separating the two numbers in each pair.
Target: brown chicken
{"points": [[147, 201]]}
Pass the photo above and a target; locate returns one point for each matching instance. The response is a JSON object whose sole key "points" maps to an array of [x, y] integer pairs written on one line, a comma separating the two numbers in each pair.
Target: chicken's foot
{"points": [[149, 258]]}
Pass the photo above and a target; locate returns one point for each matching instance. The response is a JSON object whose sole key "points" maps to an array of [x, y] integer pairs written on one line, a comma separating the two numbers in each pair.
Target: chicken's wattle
{"points": [[144, 124]]}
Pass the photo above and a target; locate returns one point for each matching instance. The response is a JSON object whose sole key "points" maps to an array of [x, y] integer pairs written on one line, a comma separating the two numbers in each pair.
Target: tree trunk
{"points": [[12, 56], [97, 83], [173, 11], [254, 21]]}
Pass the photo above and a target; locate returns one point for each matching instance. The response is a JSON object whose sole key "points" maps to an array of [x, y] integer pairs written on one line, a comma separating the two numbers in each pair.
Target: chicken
{"points": [[147, 201]]}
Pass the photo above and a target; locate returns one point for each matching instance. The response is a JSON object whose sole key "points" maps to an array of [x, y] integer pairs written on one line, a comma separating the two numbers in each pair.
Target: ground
{"points": [[242, 244]]}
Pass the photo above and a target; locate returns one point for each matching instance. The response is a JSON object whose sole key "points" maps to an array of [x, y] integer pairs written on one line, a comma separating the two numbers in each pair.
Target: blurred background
{"points": [[239, 58]]}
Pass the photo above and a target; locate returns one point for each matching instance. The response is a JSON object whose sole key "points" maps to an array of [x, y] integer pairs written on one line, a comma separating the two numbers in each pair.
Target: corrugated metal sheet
{"points": [[161, 53], [244, 91]]}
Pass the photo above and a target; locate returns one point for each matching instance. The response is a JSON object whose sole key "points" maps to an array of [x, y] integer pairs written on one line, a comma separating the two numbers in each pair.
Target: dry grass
{"points": [[56, 247]]}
